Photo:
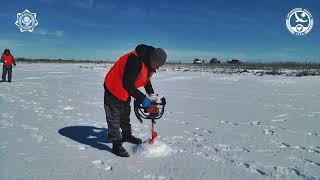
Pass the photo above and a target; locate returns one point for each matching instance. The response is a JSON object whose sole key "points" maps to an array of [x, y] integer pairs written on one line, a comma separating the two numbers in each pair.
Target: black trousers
{"points": [[7, 69], [117, 116]]}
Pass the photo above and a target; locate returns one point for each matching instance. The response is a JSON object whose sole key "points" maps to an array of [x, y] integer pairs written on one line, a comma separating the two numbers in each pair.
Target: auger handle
{"points": [[162, 103]]}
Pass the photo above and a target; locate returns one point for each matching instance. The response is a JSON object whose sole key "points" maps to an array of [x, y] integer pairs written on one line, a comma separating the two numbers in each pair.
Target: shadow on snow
{"points": [[88, 135]]}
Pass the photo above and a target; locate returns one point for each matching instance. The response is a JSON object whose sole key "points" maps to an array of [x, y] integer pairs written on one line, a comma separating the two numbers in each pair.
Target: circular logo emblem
{"points": [[26, 21], [299, 21]]}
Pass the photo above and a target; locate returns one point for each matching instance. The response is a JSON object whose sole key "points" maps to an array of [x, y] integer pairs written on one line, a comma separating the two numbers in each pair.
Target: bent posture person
{"points": [[7, 60], [131, 71]]}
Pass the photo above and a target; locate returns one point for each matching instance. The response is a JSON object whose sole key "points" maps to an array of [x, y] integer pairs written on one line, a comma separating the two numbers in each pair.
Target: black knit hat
{"points": [[6, 50], [158, 57]]}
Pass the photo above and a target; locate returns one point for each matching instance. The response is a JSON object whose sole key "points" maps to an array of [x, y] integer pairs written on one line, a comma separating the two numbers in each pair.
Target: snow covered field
{"points": [[216, 126]]}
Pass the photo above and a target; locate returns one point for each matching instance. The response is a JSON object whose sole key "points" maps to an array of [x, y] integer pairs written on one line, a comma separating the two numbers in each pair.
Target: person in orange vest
{"points": [[132, 71], [7, 60]]}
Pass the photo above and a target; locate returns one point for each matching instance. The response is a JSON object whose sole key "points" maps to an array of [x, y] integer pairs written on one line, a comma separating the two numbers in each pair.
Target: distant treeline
{"points": [[243, 65], [279, 65], [251, 65], [27, 60]]}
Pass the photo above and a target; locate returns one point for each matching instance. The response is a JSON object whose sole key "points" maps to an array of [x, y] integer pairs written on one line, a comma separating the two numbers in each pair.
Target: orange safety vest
{"points": [[114, 78], [7, 59]]}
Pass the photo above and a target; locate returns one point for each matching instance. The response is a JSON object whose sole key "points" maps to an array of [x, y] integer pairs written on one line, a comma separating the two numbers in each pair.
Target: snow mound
{"points": [[156, 150]]}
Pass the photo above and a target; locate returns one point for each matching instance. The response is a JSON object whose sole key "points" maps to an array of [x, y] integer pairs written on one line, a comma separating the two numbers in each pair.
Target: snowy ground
{"points": [[217, 126]]}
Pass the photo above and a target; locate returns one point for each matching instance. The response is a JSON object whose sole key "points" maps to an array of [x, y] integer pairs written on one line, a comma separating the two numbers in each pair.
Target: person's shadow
{"points": [[92, 136]]}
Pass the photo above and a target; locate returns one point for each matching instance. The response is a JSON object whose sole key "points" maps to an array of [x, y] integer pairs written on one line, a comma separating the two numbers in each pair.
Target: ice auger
{"points": [[154, 113]]}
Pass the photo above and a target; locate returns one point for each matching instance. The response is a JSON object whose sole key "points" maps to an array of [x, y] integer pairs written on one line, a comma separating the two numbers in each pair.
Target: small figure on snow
{"points": [[133, 70], [7, 60]]}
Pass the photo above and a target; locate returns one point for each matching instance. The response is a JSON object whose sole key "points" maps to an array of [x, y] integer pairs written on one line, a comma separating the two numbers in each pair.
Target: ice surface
{"points": [[216, 126], [156, 150]]}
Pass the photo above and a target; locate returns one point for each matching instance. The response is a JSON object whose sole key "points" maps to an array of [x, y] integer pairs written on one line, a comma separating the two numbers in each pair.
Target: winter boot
{"points": [[131, 139], [119, 150]]}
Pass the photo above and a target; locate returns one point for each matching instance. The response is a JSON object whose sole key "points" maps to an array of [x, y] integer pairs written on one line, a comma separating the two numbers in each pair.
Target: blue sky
{"points": [[103, 29]]}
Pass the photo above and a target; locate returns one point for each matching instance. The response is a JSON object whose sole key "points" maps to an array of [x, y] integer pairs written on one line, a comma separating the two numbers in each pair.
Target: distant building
{"points": [[198, 61], [214, 61], [234, 61]]}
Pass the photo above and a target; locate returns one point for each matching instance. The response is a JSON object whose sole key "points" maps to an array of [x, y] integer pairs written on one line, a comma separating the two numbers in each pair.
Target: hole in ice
{"points": [[156, 150]]}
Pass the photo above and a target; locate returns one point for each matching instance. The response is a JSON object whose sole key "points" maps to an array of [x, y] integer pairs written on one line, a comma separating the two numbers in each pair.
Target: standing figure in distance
{"points": [[7, 60]]}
